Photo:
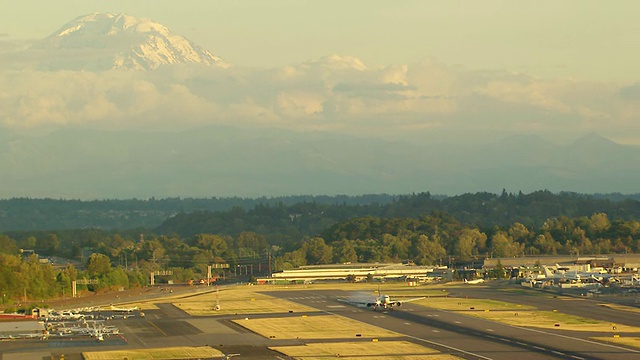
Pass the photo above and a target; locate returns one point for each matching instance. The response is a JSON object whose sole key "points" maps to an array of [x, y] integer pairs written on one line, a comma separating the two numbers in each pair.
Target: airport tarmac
{"points": [[166, 326], [589, 307], [448, 332], [465, 336]]}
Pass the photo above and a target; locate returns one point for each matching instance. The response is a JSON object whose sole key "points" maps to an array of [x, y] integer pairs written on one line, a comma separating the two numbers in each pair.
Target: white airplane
{"points": [[66, 315], [121, 309], [383, 301], [473, 282], [561, 273], [97, 333]]}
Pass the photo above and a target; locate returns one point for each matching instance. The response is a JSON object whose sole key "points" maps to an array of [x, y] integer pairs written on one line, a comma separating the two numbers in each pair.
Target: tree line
{"points": [[277, 237], [25, 214]]}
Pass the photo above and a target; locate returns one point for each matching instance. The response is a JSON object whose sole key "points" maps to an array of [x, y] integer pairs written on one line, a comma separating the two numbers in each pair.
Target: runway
{"points": [[462, 335], [452, 333]]}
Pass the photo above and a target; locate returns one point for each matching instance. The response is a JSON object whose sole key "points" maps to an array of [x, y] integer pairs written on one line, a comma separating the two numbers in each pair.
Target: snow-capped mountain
{"points": [[103, 41]]}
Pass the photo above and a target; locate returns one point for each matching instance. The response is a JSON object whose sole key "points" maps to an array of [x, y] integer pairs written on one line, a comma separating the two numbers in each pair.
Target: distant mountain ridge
{"points": [[224, 161], [103, 41]]}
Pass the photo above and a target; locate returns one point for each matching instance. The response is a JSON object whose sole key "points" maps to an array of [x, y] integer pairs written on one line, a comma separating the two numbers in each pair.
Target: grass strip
{"points": [[158, 353], [314, 327], [383, 350], [237, 300], [466, 304], [521, 315], [633, 342]]}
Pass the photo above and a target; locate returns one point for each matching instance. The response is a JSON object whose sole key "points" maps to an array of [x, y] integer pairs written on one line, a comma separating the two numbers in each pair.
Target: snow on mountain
{"points": [[103, 41]]}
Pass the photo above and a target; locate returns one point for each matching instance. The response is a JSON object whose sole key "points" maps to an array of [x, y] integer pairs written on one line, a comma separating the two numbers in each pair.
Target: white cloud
{"points": [[335, 93]]}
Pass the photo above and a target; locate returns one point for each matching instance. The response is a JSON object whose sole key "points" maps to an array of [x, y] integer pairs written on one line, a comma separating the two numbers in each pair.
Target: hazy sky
{"points": [[447, 73], [552, 68], [568, 39]]}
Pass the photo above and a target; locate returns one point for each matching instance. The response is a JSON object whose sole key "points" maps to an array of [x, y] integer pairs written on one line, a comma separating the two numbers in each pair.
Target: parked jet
{"points": [[473, 282], [66, 315], [565, 274], [121, 309]]}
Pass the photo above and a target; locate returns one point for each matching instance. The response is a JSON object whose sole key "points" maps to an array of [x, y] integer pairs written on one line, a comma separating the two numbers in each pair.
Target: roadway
{"points": [[466, 336]]}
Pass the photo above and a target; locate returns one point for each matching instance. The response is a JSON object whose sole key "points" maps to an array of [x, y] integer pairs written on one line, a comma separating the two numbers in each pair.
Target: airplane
{"points": [[565, 274], [560, 274], [121, 309], [97, 333], [383, 301], [473, 282], [66, 315]]}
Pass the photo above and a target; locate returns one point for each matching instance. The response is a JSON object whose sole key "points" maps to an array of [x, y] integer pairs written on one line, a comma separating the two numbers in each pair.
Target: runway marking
{"points": [[578, 339], [335, 306], [435, 343], [156, 326], [558, 353], [449, 347], [566, 337], [457, 322], [407, 323], [490, 330], [435, 331], [577, 357]]}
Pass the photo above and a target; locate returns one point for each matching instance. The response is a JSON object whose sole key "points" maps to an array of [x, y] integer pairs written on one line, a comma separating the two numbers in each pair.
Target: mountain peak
{"points": [[103, 41], [593, 141]]}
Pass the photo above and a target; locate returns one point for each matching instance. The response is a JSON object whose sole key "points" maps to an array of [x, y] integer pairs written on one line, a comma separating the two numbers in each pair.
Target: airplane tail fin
{"points": [[547, 271]]}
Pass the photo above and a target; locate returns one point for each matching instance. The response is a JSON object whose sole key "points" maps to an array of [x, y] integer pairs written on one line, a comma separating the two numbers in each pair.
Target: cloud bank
{"points": [[334, 94]]}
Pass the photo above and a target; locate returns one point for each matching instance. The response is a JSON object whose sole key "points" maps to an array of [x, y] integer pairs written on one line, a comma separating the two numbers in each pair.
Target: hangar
{"points": [[357, 272]]}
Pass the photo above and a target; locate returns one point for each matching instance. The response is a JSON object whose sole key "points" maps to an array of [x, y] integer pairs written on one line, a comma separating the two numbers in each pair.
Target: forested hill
{"points": [[289, 223], [302, 215], [25, 214]]}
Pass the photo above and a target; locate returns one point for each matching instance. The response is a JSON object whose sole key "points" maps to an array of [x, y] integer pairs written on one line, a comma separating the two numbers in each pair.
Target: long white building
{"points": [[356, 271]]}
